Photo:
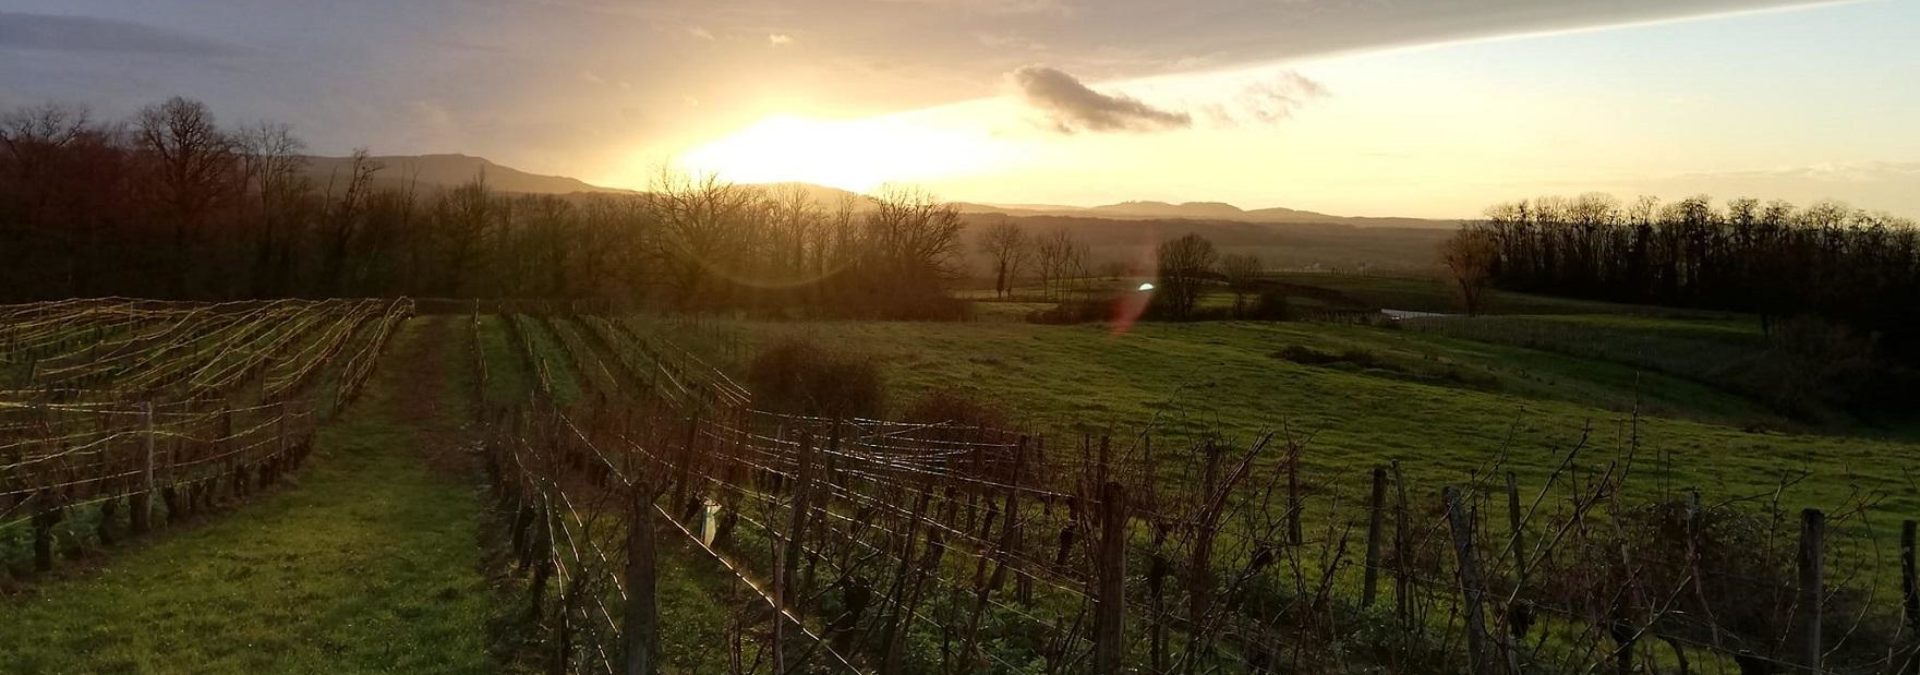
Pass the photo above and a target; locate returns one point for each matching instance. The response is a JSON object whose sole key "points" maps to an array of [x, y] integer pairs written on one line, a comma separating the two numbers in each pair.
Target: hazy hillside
{"points": [[1136, 210], [445, 171], [1126, 232]]}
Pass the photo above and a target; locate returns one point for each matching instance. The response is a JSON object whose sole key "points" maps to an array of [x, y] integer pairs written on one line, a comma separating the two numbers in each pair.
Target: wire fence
{"points": [[134, 413], [886, 546]]}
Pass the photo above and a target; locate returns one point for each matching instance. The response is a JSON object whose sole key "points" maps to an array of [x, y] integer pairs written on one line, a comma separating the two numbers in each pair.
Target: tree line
{"points": [[1844, 265], [171, 204]]}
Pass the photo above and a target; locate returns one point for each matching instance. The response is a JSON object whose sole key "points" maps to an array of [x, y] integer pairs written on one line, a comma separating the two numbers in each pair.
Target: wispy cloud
{"points": [[1268, 101], [1073, 106], [20, 30], [1277, 98], [779, 40]]}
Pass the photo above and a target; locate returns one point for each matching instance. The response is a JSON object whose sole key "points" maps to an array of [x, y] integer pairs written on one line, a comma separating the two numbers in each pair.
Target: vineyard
{"points": [[878, 546], [127, 414], [652, 516]]}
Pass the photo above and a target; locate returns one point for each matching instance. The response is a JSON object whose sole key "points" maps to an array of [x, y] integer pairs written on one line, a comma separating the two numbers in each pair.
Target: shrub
{"points": [[1074, 311], [1737, 571], [1308, 356], [1824, 364], [1272, 305], [799, 376]]}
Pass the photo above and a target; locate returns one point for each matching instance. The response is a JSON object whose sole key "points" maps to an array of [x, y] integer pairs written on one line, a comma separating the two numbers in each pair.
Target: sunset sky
{"points": [[1377, 107]]}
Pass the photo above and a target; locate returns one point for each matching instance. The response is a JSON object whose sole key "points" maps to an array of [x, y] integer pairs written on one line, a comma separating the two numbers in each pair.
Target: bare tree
{"points": [[797, 218], [703, 221], [1058, 255], [270, 168], [347, 212], [912, 229], [192, 161], [1185, 264], [1469, 256], [1005, 245], [1243, 276], [909, 251], [31, 136]]}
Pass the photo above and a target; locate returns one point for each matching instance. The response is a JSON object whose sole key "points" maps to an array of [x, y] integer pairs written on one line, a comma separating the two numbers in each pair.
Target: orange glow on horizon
{"points": [[857, 155]]}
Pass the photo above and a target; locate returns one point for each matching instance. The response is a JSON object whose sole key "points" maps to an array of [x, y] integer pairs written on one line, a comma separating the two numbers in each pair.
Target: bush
{"points": [[1270, 306], [1737, 569], [1308, 356], [1074, 311], [1824, 364], [799, 376]]}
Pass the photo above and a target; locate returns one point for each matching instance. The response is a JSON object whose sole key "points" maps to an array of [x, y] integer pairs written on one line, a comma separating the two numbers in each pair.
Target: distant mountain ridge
{"points": [[1216, 211], [447, 171]]}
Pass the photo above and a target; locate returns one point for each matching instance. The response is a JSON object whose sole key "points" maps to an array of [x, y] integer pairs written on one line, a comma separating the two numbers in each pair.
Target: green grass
{"points": [[369, 564], [690, 586], [1436, 295], [506, 383], [1181, 381], [551, 354]]}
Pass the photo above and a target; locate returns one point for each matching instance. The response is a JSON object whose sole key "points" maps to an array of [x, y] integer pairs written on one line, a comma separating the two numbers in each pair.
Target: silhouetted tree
{"points": [[193, 167], [1058, 255], [1005, 245], [1243, 276], [1185, 265], [1846, 265], [1469, 256], [173, 206]]}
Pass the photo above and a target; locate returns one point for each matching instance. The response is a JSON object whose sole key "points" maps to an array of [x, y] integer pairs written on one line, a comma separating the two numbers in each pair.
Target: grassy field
{"points": [[1444, 406], [693, 594], [376, 559], [1434, 294], [370, 563], [1408, 293]]}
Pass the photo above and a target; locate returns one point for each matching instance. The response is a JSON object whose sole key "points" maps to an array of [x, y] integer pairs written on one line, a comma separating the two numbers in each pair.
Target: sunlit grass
{"points": [[369, 564]]}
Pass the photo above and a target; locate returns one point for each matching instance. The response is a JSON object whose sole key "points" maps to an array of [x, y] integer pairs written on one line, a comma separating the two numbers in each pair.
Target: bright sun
{"points": [[857, 155]]}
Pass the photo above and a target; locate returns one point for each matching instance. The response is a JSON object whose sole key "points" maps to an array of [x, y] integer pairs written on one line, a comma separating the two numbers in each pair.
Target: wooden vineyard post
{"points": [[104, 528], [1462, 525], [641, 628], [280, 445], [802, 507], [541, 559], [1813, 541], [787, 588], [141, 505], [1376, 512], [1518, 543], [1294, 536], [1402, 581], [1910, 590], [1109, 636], [45, 516], [1518, 612]]}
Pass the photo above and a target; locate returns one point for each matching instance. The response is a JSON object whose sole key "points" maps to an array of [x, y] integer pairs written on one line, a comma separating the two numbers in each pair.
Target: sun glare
{"points": [[857, 155]]}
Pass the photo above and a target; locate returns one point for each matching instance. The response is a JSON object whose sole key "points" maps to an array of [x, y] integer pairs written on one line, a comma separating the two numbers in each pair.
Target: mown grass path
{"points": [[370, 564]]}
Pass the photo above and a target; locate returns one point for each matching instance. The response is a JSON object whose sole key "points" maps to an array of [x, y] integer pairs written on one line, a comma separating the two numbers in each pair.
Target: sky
{"points": [[1433, 108]]}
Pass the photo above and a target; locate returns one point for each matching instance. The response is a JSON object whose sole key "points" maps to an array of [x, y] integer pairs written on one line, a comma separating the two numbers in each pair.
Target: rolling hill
{"points": [[1207, 211], [1115, 233], [431, 172]]}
